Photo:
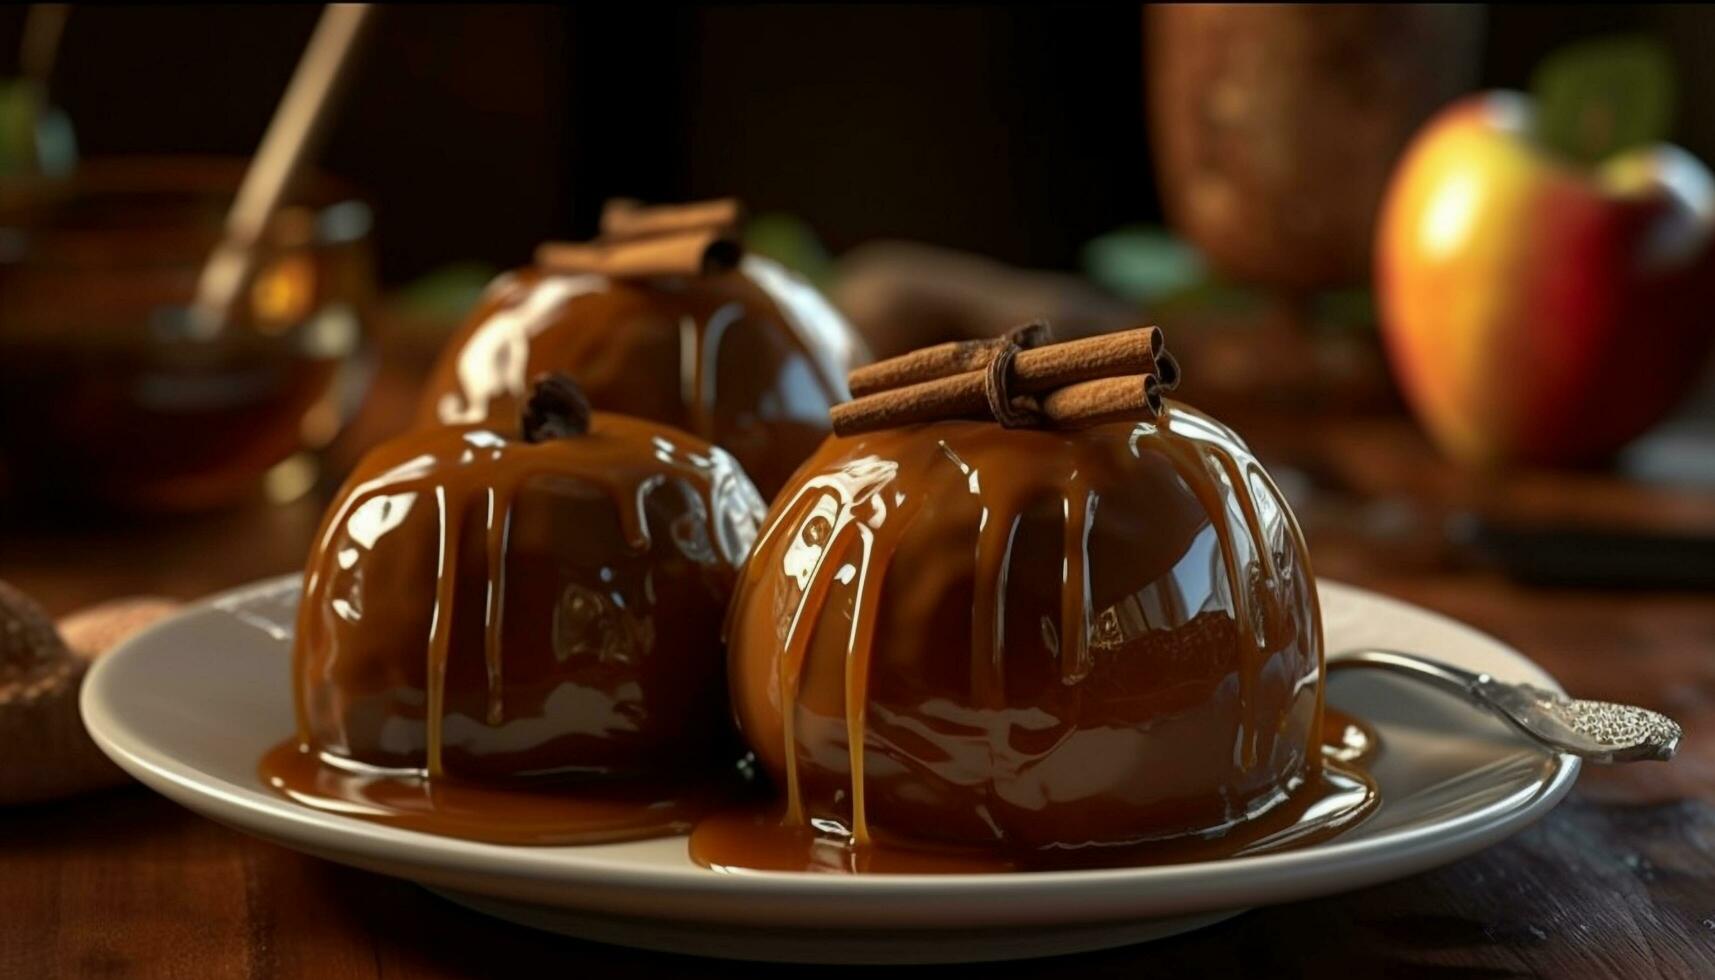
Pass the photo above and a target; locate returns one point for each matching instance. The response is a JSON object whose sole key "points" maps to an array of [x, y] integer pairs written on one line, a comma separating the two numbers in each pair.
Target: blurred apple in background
{"points": [[1544, 266]]}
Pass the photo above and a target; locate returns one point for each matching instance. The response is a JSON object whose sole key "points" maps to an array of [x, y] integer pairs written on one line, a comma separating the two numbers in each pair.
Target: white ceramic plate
{"points": [[189, 706]]}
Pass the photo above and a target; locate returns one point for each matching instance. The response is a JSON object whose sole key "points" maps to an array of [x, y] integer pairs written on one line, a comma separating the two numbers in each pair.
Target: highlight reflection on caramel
{"points": [[484, 610], [750, 358], [957, 635]]}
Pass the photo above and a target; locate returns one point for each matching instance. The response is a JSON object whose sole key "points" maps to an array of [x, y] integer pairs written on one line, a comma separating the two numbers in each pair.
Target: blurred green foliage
{"points": [[1163, 274], [447, 293], [35, 137], [790, 241], [1144, 265], [1605, 96]]}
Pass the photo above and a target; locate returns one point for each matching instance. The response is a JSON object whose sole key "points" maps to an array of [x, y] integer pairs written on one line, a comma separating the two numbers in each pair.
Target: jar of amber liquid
{"points": [[108, 392]]}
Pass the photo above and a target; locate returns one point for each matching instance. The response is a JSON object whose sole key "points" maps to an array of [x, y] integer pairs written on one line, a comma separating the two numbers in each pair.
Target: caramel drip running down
{"points": [[307, 625], [499, 522], [1255, 632], [1078, 506], [854, 517], [988, 623], [1263, 628], [872, 568], [1192, 461], [1307, 583], [832, 540], [794, 652], [355, 632], [628, 502], [1328, 804], [700, 345], [1197, 463], [441, 627], [453, 499], [453, 496]]}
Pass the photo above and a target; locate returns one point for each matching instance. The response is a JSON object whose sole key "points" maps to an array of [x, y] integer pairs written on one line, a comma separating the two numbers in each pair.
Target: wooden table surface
{"points": [[1618, 881]]}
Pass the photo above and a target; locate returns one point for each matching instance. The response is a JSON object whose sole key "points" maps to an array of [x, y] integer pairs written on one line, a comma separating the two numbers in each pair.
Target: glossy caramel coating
{"points": [[1034, 639], [1329, 802], [750, 358], [486, 609]]}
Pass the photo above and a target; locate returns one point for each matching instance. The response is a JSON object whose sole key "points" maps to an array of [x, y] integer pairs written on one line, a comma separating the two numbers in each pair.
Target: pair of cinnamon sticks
{"points": [[1113, 377], [639, 241]]}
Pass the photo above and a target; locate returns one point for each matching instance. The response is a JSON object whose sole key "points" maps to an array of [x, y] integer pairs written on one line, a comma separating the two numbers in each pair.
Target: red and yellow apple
{"points": [[1535, 310]]}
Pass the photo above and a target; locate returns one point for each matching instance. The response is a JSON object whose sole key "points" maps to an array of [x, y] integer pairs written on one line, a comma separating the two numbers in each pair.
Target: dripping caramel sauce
{"points": [[1331, 799], [729, 832], [583, 812], [459, 466], [473, 472], [734, 827], [1207, 463], [1331, 794]]}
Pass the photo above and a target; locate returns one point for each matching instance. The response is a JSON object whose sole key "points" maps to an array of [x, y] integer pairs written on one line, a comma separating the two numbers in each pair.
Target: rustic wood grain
{"points": [[1617, 882]]}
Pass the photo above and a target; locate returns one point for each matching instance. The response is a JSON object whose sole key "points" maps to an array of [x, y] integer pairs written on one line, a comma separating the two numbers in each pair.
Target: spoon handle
{"points": [[1599, 731], [292, 136]]}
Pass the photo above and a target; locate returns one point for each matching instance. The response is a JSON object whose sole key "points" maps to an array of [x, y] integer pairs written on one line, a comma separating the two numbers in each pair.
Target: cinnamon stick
{"points": [[681, 254], [925, 364], [958, 396], [1104, 356], [1104, 400], [1035, 369], [964, 396], [626, 218], [943, 360]]}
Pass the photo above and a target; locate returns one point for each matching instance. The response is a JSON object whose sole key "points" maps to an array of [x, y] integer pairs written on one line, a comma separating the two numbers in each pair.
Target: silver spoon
{"points": [[1599, 731]]}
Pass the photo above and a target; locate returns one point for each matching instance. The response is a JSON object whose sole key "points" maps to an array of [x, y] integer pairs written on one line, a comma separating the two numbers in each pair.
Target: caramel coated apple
{"points": [[749, 358], [485, 607], [957, 634]]}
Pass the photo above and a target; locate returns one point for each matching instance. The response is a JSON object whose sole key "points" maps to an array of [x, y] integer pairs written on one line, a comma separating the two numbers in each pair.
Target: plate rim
{"points": [[579, 881]]}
